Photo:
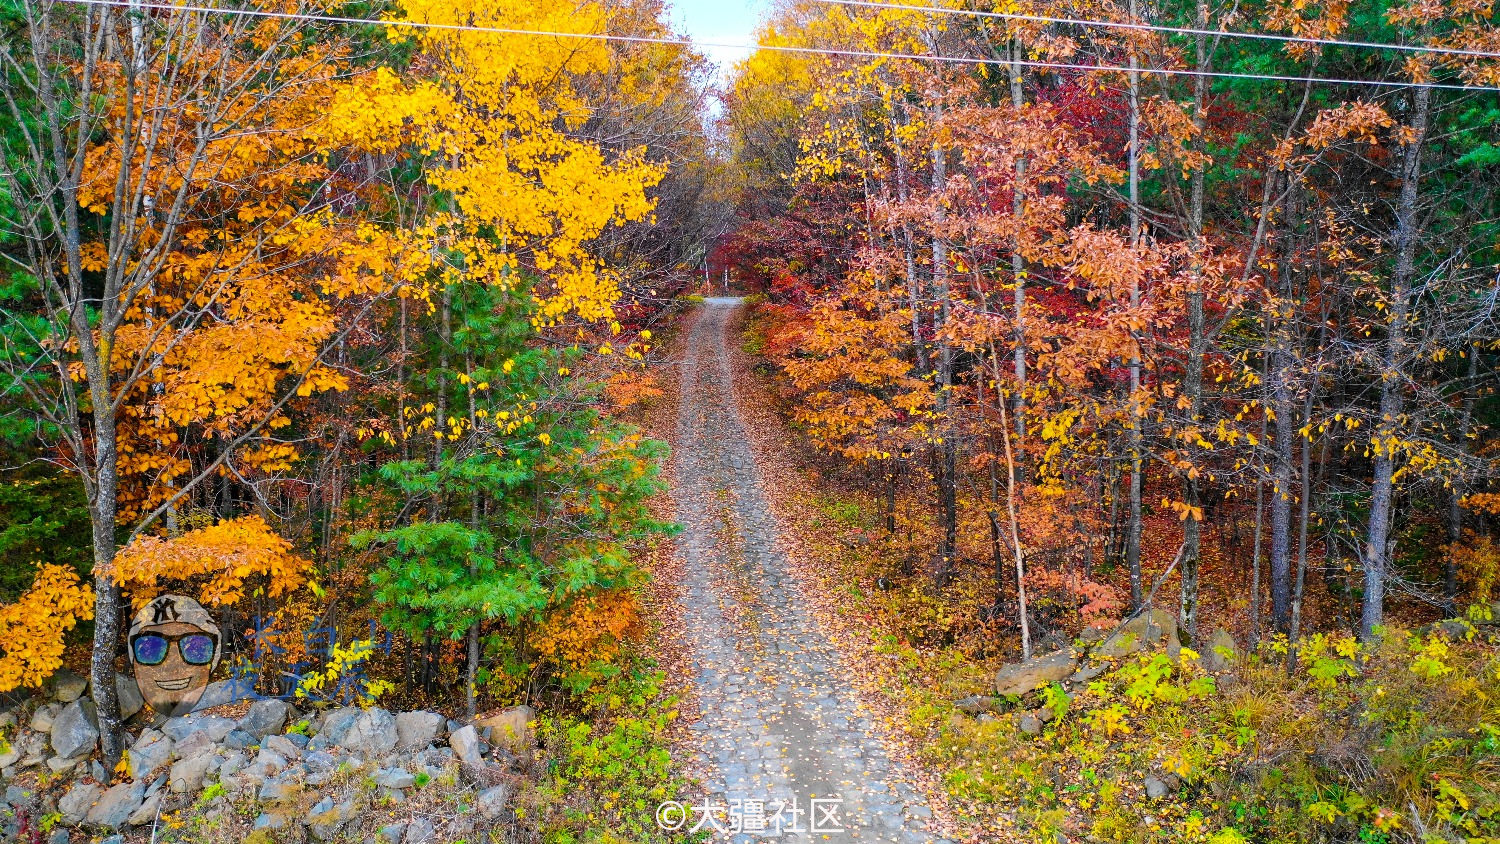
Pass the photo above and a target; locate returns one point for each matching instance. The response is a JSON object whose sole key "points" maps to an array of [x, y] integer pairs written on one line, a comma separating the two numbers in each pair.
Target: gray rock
{"points": [[239, 740], [264, 718], [216, 727], [267, 763], [390, 833], [35, 747], [418, 729], [1155, 788], [148, 810], [151, 751], [336, 723], [465, 744], [1023, 677], [273, 820], [116, 805], [42, 718], [395, 778], [112, 839], [196, 743], [1086, 673], [1452, 628], [1030, 724], [223, 692], [1144, 631], [373, 733], [187, 774], [1090, 636], [15, 795], [327, 818], [62, 767], [320, 760], [75, 731], [10, 753], [129, 695], [1221, 651], [419, 831], [279, 791], [74, 806], [232, 764], [975, 704], [298, 739], [61, 836], [493, 801], [282, 745], [510, 729], [66, 686]]}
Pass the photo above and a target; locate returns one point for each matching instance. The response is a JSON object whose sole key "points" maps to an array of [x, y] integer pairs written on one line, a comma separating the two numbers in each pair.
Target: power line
{"points": [[821, 51], [1174, 30]]}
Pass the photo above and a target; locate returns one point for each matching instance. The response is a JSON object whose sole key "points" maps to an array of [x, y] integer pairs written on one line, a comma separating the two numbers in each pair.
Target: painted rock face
{"points": [[174, 646]]}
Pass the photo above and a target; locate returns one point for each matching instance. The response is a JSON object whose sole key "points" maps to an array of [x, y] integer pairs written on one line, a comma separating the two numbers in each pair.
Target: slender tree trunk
{"points": [[1015, 524], [1192, 388], [1299, 587], [1392, 399], [1137, 415], [475, 506], [947, 449], [1282, 447], [890, 498], [108, 620]]}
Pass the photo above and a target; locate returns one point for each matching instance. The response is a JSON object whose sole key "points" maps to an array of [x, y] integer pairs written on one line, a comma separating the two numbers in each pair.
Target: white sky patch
{"points": [[721, 21]]}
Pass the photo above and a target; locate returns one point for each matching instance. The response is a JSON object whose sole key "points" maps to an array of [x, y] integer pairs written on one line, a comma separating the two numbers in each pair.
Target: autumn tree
{"points": [[181, 247]]}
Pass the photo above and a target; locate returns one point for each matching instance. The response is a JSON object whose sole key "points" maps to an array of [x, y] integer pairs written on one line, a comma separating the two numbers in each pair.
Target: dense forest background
{"points": [[1115, 320]]}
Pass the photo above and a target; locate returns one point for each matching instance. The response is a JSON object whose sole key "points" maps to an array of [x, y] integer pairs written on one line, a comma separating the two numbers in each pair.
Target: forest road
{"points": [[780, 737]]}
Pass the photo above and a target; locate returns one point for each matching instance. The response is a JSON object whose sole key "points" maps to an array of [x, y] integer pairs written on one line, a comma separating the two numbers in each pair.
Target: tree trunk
{"points": [[1299, 587], [475, 508], [1192, 388], [947, 456], [1137, 415], [107, 615], [1392, 399], [1282, 450]]}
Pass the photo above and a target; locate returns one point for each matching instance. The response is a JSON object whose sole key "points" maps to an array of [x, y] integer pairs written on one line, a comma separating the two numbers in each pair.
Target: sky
{"points": [[725, 21]]}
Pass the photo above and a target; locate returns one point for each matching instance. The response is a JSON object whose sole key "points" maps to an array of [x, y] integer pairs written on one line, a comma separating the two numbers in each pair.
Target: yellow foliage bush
{"points": [[1478, 563], [589, 629], [223, 557], [35, 625]]}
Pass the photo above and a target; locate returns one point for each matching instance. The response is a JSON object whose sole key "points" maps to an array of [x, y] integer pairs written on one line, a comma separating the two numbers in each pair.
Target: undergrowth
{"points": [[609, 768]]}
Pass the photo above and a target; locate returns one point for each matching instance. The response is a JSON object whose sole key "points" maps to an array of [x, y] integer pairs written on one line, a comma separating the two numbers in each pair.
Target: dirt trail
{"points": [[779, 723]]}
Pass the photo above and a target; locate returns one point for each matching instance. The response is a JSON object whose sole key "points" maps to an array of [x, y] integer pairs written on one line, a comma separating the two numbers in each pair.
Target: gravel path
{"points": [[779, 726]]}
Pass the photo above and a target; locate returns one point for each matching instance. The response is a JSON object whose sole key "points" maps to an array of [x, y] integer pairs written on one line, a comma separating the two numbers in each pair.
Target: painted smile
{"points": [[176, 685]]}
